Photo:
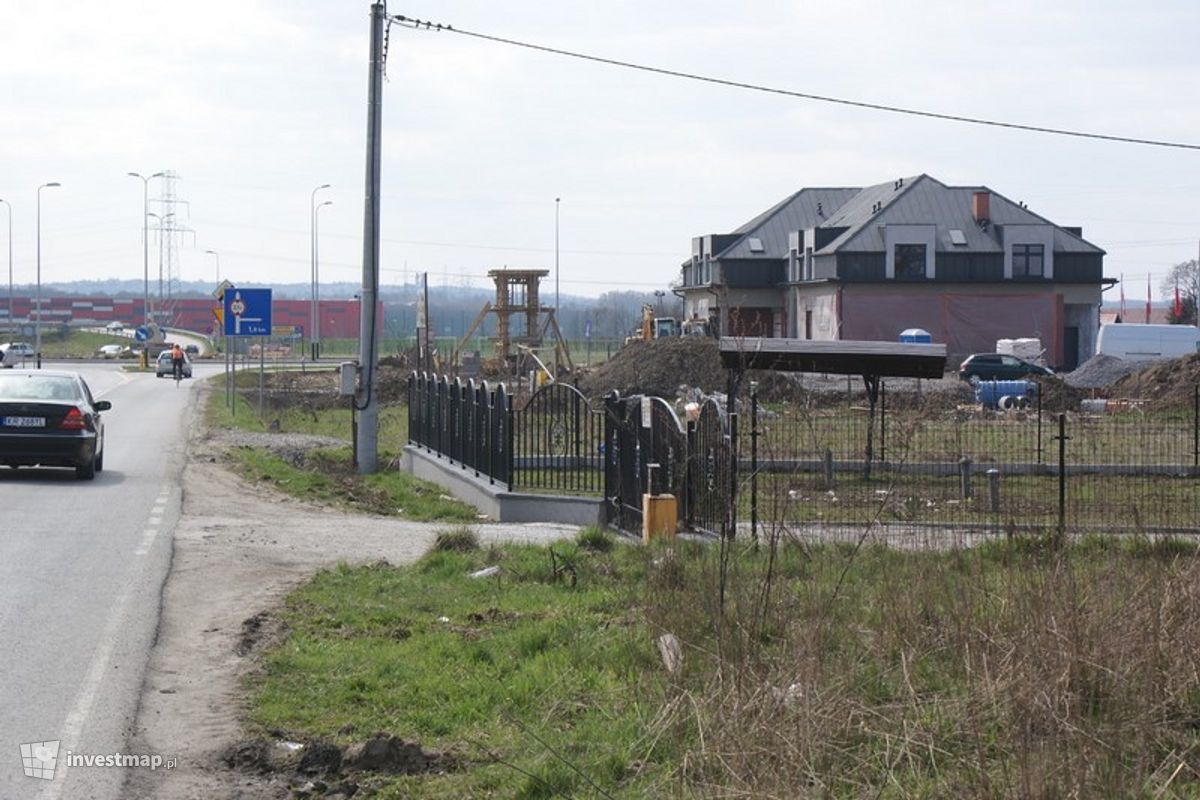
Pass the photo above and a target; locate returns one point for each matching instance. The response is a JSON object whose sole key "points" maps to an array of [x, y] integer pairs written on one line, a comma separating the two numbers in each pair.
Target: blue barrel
{"points": [[988, 393]]}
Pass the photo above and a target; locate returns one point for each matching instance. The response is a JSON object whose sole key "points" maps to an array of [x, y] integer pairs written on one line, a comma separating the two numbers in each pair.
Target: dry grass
{"points": [[1002, 671]]}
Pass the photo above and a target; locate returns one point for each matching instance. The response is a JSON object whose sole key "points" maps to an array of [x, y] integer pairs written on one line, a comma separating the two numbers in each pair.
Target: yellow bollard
{"points": [[660, 516]]}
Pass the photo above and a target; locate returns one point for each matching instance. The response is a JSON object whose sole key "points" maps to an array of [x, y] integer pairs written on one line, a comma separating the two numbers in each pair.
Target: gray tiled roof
{"points": [[795, 213], [918, 200]]}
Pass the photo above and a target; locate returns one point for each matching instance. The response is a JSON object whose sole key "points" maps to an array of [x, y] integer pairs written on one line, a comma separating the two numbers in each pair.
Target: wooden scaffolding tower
{"points": [[520, 327]]}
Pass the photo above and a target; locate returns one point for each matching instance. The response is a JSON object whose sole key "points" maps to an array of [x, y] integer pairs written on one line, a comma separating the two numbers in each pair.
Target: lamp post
{"points": [[312, 243], [37, 330], [10, 285], [217, 256], [317, 278], [145, 240], [556, 202]]}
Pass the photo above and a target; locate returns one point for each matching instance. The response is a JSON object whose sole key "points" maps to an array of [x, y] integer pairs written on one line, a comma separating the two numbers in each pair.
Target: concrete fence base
{"points": [[495, 500]]}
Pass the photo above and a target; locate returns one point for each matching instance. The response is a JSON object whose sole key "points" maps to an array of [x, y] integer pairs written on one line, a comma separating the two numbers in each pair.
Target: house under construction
{"points": [[523, 324]]}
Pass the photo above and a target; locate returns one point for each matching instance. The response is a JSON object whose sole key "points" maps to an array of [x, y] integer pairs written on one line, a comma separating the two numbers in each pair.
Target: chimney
{"points": [[980, 209]]}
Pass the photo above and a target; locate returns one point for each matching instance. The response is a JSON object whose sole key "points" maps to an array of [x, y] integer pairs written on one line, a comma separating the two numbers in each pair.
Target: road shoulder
{"points": [[238, 549]]}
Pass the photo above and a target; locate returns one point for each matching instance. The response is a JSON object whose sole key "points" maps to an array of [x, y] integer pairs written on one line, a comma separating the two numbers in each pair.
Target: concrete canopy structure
{"points": [[962, 262]]}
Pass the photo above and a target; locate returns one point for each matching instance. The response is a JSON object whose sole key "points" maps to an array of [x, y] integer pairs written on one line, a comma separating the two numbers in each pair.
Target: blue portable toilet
{"points": [[915, 336]]}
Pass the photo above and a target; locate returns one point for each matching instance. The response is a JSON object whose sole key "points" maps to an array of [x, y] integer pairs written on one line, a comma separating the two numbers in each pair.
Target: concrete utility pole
{"points": [[367, 401]]}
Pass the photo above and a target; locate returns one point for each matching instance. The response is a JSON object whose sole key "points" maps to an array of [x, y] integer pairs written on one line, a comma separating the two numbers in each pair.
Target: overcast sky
{"points": [[253, 103]]}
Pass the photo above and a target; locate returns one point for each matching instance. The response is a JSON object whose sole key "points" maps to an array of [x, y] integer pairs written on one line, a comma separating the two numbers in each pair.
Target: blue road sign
{"points": [[141, 334], [247, 312]]}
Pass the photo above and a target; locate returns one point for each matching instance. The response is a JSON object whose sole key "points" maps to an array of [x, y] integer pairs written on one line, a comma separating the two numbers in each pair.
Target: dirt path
{"points": [[238, 549]]}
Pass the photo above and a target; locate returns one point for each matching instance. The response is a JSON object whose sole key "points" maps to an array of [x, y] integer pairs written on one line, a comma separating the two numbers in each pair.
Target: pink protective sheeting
{"points": [[965, 323]]}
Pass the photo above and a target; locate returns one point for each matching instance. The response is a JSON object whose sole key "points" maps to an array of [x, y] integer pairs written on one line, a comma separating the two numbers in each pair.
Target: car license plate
{"points": [[24, 422]]}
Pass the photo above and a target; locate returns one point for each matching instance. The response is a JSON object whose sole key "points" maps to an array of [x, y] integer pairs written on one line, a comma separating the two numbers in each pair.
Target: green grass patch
{"points": [[328, 476], [1007, 670], [503, 672]]}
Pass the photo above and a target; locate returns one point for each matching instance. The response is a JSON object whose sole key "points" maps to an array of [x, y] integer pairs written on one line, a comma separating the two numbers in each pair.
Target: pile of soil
{"points": [[1166, 385], [658, 367]]}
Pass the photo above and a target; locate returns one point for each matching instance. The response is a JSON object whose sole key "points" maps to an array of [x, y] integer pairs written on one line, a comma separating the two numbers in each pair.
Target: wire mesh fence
{"points": [[917, 464]]}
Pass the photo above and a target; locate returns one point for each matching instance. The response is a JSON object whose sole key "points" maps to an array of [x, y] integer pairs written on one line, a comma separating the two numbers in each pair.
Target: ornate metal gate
{"points": [[645, 452], [708, 471], [557, 438]]}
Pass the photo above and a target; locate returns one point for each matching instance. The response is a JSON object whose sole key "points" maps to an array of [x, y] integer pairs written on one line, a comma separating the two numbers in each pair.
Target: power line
{"points": [[417, 24]]}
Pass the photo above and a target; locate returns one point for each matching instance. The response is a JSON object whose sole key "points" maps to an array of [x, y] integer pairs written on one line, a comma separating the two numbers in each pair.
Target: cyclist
{"points": [[177, 361]]}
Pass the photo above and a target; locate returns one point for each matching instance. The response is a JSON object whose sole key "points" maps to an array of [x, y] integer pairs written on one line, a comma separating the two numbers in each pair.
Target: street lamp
{"points": [[10, 288], [37, 330], [556, 202], [317, 277], [145, 240], [217, 256], [162, 227], [312, 244]]}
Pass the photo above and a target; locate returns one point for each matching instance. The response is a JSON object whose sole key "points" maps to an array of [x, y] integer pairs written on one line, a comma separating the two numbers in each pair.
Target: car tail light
{"points": [[74, 421]]}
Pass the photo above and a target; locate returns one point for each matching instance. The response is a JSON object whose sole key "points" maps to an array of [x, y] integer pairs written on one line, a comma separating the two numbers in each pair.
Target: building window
{"points": [[910, 261], [1029, 260]]}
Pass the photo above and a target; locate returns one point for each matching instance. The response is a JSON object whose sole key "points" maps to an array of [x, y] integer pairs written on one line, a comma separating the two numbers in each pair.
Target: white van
{"points": [[1134, 342]]}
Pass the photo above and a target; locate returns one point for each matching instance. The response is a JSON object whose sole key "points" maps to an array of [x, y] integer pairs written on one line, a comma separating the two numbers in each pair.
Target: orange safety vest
{"points": [[176, 354]]}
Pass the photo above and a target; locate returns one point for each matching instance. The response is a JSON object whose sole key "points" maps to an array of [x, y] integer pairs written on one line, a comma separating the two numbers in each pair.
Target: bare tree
{"points": [[1185, 275]]}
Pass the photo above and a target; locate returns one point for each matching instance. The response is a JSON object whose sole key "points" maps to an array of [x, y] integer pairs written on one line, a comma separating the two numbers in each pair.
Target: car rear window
{"points": [[38, 387]]}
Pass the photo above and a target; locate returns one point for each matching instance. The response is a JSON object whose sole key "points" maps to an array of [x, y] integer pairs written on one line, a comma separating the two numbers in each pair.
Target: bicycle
{"points": [[177, 370]]}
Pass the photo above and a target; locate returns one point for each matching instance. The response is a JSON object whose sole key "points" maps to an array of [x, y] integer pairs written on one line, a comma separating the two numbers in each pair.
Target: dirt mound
{"points": [[1099, 371], [658, 367], [1166, 385]]}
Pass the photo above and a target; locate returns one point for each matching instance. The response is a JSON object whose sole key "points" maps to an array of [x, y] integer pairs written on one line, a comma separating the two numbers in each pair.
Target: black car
{"points": [[999, 367], [50, 419]]}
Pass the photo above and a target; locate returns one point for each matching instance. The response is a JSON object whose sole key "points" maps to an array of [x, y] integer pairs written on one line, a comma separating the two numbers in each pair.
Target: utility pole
{"points": [[367, 400]]}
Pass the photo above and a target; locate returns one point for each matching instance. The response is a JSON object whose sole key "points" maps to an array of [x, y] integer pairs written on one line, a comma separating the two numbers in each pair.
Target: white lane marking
{"points": [[86, 698]]}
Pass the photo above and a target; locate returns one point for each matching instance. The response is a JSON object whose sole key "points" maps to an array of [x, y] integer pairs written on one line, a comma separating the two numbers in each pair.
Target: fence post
{"points": [[1062, 480], [512, 462], [828, 468], [733, 469], [993, 476], [883, 421], [754, 461], [689, 477], [491, 437], [1039, 425], [964, 478]]}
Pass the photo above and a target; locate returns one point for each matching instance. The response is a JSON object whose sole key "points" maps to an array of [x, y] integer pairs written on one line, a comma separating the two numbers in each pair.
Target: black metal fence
{"points": [[470, 424], [913, 463]]}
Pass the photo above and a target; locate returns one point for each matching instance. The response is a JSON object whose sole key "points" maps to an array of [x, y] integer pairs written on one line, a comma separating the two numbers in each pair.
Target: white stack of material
{"points": [[1027, 349]]}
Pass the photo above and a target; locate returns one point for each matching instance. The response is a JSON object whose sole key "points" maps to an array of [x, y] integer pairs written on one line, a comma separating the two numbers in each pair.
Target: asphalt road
{"points": [[82, 564]]}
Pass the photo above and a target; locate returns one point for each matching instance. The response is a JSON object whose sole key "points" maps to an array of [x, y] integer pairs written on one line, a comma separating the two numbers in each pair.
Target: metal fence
{"points": [[470, 424], [911, 464], [915, 465]]}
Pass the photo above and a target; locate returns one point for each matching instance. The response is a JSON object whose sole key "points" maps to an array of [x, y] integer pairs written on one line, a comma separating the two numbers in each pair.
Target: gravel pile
{"points": [[1101, 371]]}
